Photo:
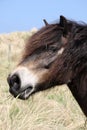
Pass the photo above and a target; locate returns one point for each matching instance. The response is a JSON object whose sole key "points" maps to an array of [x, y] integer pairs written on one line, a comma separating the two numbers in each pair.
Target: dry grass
{"points": [[54, 109]]}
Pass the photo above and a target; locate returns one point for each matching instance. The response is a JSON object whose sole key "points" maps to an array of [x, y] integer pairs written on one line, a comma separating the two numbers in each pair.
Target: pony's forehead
{"points": [[45, 36]]}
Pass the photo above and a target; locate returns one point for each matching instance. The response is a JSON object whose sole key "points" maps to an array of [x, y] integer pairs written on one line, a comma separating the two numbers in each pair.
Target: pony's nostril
{"points": [[14, 81]]}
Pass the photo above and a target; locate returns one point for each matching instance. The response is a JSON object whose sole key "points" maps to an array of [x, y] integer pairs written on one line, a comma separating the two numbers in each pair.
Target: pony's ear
{"points": [[63, 23], [46, 23]]}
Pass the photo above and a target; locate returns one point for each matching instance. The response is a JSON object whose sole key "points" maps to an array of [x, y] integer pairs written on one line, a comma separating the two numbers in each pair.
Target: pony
{"points": [[54, 55]]}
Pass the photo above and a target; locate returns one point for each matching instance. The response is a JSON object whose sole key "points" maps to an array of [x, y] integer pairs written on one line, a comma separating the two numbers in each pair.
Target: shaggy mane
{"points": [[45, 36], [50, 34]]}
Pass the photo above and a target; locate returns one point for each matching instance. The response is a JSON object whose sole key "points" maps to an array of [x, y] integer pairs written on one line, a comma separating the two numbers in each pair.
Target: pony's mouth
{"points": [[22, 93], [15, 88]]}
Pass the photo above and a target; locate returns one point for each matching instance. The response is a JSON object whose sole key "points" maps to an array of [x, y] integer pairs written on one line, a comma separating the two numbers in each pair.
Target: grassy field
{"points": [[54, 109]]}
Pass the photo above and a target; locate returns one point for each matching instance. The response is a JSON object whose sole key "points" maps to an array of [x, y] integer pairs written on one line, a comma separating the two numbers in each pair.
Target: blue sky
{"points": [[23, 15]]}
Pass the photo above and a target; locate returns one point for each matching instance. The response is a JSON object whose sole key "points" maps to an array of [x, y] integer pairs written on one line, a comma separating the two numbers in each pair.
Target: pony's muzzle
{"points": [[22, 83]]}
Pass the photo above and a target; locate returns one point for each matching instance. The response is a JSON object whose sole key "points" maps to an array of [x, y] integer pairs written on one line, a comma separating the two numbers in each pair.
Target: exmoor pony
{"points": [[54, 55]]}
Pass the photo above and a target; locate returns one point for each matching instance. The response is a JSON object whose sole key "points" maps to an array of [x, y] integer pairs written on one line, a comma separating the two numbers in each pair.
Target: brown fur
{"points": [[41, 38]]}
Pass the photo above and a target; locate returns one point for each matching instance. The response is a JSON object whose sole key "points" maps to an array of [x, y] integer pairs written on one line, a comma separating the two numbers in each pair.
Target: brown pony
{"points": [[55, 55]]}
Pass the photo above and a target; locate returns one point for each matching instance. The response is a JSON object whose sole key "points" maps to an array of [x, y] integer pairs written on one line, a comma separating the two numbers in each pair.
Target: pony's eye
{"points": [[53, 48], [47, 66]]}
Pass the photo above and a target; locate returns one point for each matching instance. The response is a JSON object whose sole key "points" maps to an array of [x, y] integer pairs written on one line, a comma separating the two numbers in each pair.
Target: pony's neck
{"points": [[82, 101]]}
